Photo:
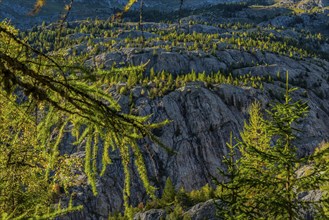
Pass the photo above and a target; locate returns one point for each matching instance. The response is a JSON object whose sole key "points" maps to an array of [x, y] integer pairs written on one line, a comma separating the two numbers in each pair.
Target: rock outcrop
{"points": [[153, 214], [202, 120], [202, 211], [205, 210]]}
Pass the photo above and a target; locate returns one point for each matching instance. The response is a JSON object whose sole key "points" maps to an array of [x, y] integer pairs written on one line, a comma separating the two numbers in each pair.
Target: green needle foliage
{"points": [[269, 179], [60, 103], [232, 204], [24, 187], [169, 193]]}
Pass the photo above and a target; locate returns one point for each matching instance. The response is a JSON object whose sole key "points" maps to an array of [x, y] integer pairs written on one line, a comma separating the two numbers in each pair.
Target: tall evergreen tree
{"points": [[268, 171], [169, 192], [232, 201]]}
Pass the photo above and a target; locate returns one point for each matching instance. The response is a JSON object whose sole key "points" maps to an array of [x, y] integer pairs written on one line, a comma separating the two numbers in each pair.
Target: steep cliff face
{"points": [[202, 120]]}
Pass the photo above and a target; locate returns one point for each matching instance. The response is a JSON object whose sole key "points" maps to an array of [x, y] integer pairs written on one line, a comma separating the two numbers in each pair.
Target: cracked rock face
{"points": [[202, 120], [204, 210], [153, 214]]}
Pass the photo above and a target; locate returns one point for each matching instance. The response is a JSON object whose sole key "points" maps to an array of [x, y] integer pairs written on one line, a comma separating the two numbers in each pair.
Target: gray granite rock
{"points": [[153, 214], [203, 211]]}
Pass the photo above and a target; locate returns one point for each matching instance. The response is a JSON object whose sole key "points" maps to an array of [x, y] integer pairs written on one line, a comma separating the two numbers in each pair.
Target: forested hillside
{"points": [[206, 111]]}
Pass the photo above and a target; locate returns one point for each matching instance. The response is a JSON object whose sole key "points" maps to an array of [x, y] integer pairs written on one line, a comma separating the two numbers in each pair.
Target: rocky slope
{"points": [[202, 120], [306, 4], [17, 10], [203, 115], [204, 210]]}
